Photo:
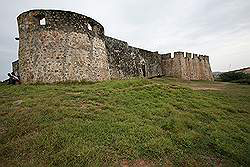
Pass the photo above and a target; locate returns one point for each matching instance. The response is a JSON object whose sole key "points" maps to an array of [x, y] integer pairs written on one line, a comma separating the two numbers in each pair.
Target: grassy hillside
{"points": [[117, 123]]}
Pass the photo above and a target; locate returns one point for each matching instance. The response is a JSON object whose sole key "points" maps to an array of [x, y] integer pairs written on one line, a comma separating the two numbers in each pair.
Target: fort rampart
{"points": [[57, 46]]}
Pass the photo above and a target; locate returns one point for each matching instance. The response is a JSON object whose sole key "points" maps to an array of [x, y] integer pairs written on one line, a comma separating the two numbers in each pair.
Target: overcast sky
{"points": [[218, 28]]}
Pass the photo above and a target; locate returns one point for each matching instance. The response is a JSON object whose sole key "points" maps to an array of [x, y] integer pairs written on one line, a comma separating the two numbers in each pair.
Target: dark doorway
{"points": [[144, 70]]}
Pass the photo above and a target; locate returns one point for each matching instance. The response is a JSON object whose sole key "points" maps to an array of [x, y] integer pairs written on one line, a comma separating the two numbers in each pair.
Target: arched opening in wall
{"points": [[144, 70], [90, 27]]}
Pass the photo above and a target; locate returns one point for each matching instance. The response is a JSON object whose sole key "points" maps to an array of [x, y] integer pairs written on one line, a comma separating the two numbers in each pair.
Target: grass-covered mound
{"points": [[158, 122]]}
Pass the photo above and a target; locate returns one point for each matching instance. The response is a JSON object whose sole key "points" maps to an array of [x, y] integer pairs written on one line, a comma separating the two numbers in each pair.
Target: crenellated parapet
{"points": [[188, 66]]}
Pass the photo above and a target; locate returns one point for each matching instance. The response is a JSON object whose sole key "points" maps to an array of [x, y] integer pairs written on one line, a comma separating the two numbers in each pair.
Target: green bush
{"points": [[235, 76]]}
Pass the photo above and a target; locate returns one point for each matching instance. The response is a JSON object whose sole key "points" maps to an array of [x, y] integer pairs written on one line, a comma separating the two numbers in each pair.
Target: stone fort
{"points": [[58, 46]]}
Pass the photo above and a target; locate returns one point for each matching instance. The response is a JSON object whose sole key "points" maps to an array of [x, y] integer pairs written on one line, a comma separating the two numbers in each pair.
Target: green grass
{"points": [[102, 124]]}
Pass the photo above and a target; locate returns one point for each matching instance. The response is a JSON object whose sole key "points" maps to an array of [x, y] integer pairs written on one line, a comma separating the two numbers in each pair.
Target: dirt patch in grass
{"points": [[137, 163], [204, 85], [203, 88], [195, 85]]}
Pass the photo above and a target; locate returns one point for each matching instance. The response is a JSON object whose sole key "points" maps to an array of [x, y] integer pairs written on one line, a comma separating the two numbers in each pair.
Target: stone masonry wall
{"points": [[69, 47], [187, 67], [15, 67], [126, 61], [58, 46]]}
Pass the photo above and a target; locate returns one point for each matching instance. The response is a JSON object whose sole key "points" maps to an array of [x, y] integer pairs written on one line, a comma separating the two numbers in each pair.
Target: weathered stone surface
{"points": [[71, 47], [126, 61], [15, 67], [64, 49], [187, 67]]}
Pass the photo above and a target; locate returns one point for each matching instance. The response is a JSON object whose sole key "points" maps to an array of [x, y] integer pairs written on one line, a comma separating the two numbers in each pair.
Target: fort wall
{"points": [[68, 46], [126, 61], [15, 67], [58, 46], [187, 66]]}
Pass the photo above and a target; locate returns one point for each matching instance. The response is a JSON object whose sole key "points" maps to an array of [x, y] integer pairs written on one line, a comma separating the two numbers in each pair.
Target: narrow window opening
{"points": [[144, 70], [90, 27], [43, 22]]}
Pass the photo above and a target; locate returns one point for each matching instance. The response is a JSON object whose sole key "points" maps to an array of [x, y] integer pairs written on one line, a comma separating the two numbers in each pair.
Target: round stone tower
{"points": [[57, 46]]}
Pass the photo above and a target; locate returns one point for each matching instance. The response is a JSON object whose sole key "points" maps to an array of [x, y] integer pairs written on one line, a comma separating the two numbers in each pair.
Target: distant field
{"points": [[158, 122]]}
